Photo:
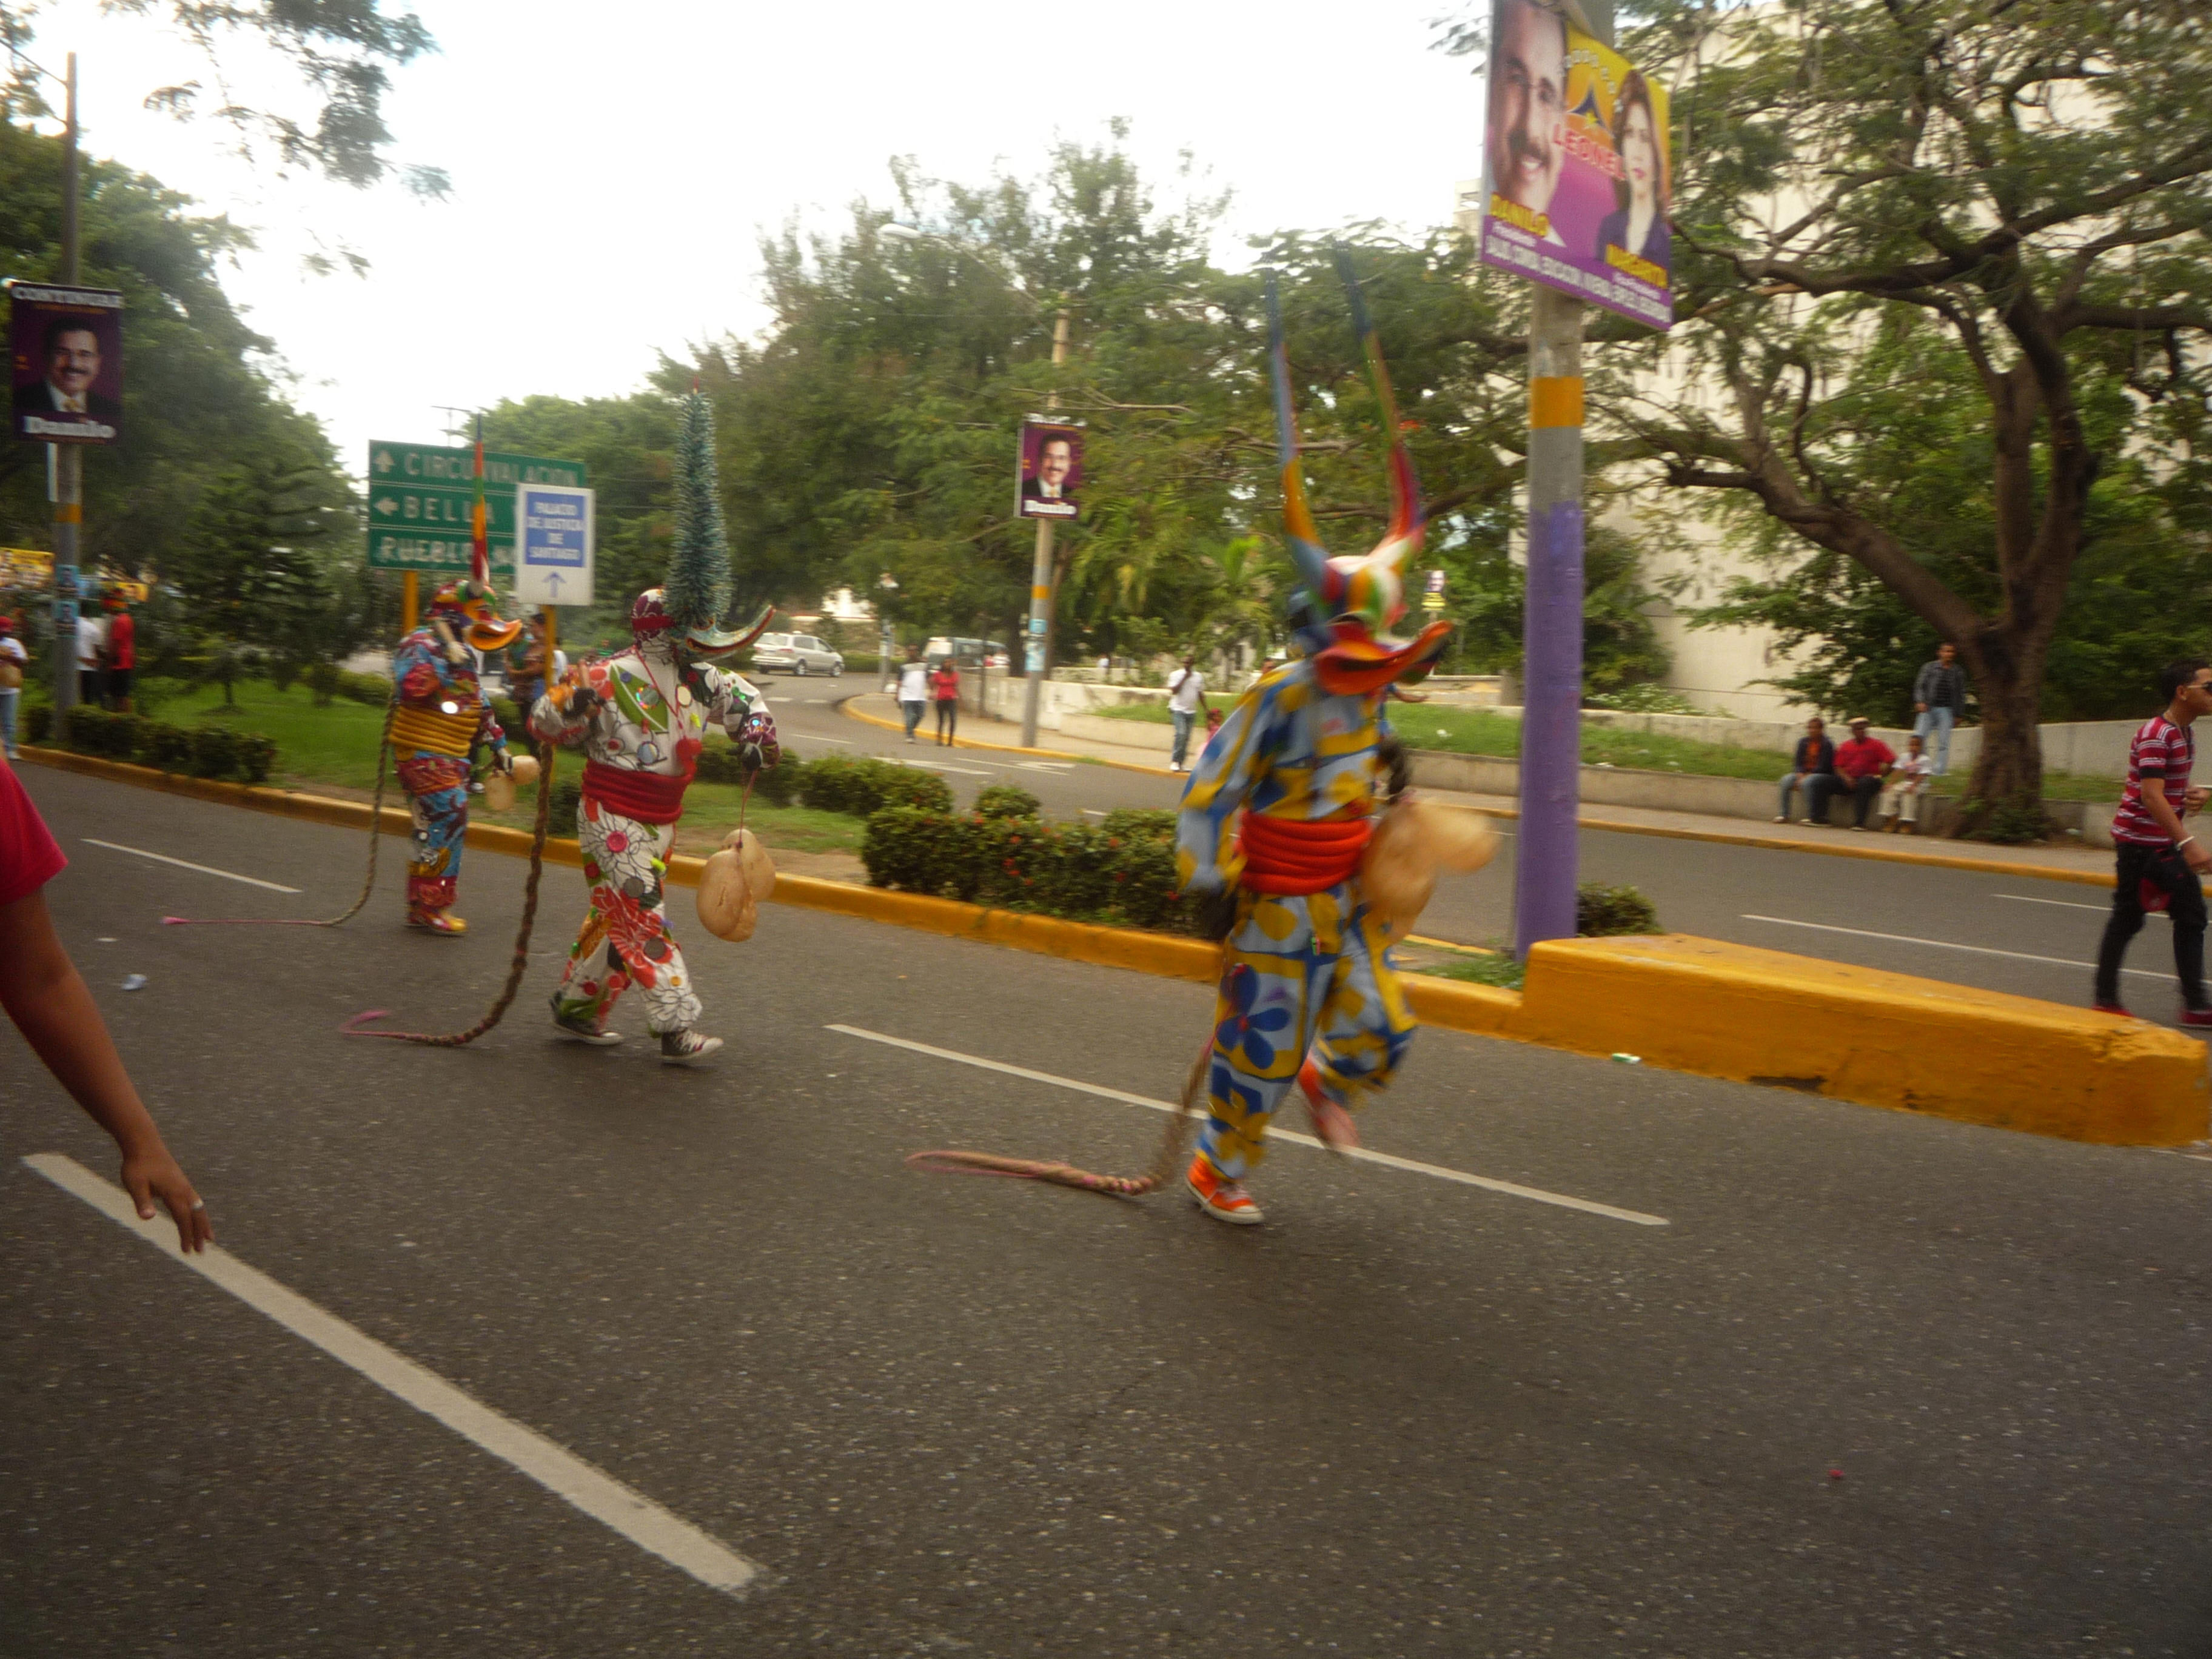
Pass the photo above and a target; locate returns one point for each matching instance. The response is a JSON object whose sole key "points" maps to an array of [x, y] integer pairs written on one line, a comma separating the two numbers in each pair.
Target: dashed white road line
{"points": [[1511, 1189], [2069, 904], [182, 864], [1946, 944], [561, 1471], [940, 766]]}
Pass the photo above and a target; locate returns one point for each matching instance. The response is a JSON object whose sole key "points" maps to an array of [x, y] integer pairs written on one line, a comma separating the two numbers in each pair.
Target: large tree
{"points": [[2016, 193]]}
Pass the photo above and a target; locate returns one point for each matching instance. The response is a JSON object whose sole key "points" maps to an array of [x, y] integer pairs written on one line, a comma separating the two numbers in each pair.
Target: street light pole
{"points": [[65, 462], [1041, 571]]}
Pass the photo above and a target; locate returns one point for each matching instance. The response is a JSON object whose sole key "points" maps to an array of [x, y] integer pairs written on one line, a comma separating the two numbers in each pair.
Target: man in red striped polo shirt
{"points": [[2159, 861]]}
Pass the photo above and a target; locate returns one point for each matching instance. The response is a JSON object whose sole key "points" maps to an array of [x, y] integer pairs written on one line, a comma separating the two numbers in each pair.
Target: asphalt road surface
{"points": [[1878, 1385], [2017, 934]]}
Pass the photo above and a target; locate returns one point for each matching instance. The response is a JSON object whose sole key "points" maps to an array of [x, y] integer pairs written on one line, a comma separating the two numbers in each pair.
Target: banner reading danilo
{"points": [[1050, 480], [65, 352], [1575, 170]]}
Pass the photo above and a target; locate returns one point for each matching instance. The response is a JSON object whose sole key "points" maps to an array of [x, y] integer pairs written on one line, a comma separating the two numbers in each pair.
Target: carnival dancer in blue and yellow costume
{"points": [[1277, 816], [442, 713]]}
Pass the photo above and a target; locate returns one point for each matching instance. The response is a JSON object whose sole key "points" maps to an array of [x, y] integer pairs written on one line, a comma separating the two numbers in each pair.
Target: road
{"points": [[2030, 937], [1880, 1384]]}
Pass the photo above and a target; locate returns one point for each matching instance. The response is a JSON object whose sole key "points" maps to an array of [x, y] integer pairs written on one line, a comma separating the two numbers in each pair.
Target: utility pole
{"points": [[1547, 858], [1038, 645], [65, 462]]}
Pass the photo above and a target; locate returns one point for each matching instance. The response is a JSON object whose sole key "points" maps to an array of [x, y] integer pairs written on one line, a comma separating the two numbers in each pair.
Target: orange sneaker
{"points": [[436, 922], [1221, 1198], [1334, 1127]]}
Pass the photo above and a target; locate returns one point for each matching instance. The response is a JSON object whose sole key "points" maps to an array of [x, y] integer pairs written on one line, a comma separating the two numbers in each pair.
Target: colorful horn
{"points": [[1406, 522], [1306, 550]]}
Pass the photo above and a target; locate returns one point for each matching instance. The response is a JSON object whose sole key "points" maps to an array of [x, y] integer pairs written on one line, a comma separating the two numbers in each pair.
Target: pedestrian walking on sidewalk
{"points": [[1186, 696], [2157, 862], [913, 689], [944, 690], [1861, 763], [1813, 759], [1939, 698], [1901, 795]]}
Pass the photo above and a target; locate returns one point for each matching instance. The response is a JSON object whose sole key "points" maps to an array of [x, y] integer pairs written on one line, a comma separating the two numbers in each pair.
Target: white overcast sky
{"points": [[613, 165]]}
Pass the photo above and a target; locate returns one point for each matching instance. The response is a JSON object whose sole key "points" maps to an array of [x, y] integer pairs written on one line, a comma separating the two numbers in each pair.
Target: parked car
{"points": [[795, 653]]}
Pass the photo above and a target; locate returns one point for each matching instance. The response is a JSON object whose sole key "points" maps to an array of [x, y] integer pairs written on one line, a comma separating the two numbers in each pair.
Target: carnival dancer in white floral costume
{"points": [[641, 717]]}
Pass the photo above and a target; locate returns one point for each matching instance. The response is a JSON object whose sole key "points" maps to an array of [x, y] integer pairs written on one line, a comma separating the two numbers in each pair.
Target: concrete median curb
{"points": [[1830, 1029]]}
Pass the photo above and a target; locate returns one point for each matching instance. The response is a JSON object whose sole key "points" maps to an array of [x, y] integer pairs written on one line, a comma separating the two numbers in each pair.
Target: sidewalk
{"points": [[2089, 867]]}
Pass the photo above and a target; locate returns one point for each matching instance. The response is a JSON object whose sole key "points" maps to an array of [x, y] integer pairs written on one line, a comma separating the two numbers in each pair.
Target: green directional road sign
{"points": [[454, 467], [421, 497], [423, 509]]}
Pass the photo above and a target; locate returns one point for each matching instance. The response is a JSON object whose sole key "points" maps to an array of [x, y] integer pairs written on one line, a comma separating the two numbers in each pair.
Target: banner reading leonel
{"points": [[65, 352], [1051, 477], [1576, 179]]}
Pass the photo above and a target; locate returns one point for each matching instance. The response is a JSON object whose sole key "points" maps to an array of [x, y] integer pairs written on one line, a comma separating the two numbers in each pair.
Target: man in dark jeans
{"points": [[1861, 763], [2157, 862]]}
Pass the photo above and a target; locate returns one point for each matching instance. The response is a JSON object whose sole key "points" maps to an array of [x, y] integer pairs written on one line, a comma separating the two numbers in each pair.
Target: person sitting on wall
{"points": [[1861, 763], [1814, 758]]}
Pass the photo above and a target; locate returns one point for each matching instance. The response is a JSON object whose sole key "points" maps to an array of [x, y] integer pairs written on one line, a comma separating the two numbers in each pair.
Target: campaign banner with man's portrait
{"points": [[1576, 174], [66, 346], [1050, 481]]}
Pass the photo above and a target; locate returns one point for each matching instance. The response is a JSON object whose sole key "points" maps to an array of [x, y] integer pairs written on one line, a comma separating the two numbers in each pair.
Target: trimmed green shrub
{"points": [[38, 722], [863, 785], [1072, 871], [374, 689], [779, 785], [1141, 822], [1008, 800], [568, 801], [1602, 912], [167, 746]]}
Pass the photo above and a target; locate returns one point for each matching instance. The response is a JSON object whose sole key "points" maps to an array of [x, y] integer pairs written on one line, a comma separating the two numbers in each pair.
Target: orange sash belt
{"points": [[434, 731], [1296, 856]]}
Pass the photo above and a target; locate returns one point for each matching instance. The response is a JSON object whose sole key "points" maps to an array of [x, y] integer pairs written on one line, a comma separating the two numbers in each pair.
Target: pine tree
{"points": [[699, 586]]}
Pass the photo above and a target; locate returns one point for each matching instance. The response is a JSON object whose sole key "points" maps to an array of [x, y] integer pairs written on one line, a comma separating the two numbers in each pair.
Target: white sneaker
{"points": [[683, 1048], [1782, 817]]}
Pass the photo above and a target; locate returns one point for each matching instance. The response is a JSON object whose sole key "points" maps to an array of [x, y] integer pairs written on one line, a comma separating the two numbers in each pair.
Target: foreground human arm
{"points": [[736, 705], [51, 1005], [2163, 814]]}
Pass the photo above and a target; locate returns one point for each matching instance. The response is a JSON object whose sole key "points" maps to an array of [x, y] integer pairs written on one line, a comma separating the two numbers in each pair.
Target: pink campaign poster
{"points": [[1050, 481], [1576, 180]]}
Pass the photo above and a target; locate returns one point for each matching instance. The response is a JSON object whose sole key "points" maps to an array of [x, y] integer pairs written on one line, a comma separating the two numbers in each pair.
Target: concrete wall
{"points": [[1061, 698], [2096, 749]]}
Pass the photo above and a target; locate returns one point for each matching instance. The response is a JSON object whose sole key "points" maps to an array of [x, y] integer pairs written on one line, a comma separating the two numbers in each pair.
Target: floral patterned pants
{"points": [[437, 788], [1306, 973], [626, 863]]}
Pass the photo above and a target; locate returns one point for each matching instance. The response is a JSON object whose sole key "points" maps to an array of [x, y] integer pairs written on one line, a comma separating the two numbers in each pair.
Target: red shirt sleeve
{"points": [[28, 857]]}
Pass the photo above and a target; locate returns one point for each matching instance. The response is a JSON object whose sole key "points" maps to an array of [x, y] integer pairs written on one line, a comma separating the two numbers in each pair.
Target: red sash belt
{"points": [[1297, 855], [649, 797]]}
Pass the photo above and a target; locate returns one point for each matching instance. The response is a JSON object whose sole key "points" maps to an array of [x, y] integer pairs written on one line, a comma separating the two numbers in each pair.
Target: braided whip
{"points": [[368, 882], [1066, 1174], [497, 1012]]}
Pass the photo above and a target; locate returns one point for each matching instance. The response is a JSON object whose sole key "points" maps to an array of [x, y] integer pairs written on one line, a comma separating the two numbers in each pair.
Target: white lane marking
{"points": [[1046, 766], [2069, 904], [1946, 944], [843, 743], [1511, 1189], [939, 766], [561, 1471], [1093, 812], [205, 869]]}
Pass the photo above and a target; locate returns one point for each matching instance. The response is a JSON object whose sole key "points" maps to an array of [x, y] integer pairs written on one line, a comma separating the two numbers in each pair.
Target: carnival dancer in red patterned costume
{"points": [[641, 717], [441, 715]]}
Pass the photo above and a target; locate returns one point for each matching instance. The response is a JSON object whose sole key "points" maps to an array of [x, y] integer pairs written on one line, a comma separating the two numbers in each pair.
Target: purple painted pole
{"points": [[1546, 861]]}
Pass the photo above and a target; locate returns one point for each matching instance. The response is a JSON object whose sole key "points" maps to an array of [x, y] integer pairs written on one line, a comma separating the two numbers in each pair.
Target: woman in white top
{"points": [[13, 660]]}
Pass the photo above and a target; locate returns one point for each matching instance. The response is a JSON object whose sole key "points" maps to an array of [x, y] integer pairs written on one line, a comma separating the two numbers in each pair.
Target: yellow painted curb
{"points": [[1692, 1005], [845, 707], [1881, 1039]]}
